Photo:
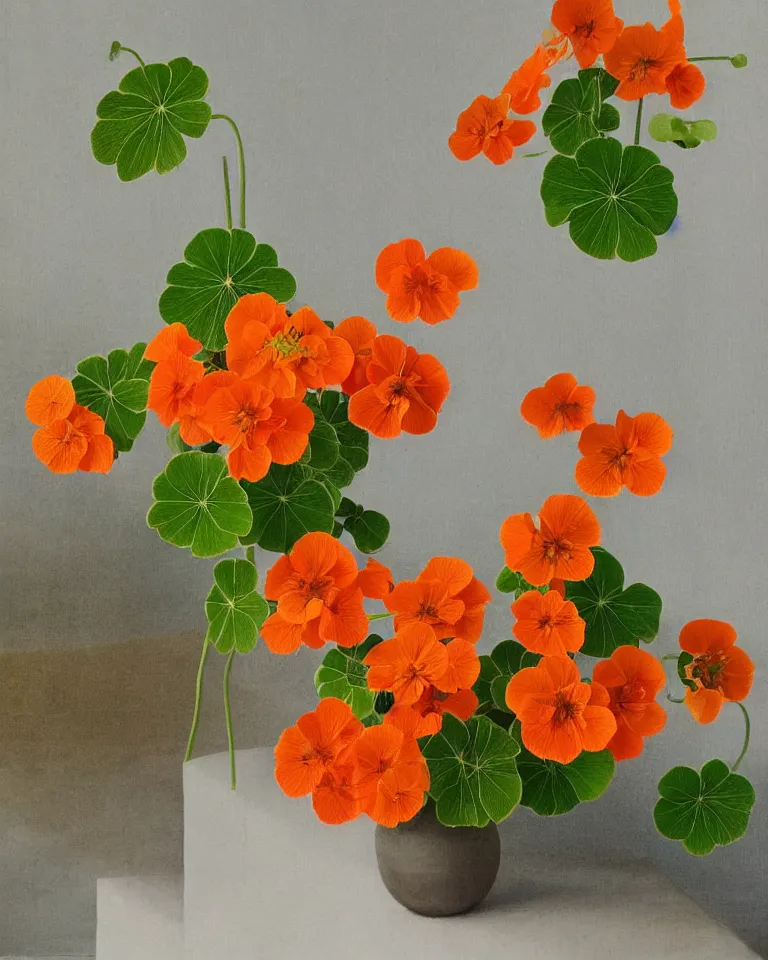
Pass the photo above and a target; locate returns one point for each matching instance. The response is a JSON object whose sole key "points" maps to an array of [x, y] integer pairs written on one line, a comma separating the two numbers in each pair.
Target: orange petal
{"points": [[516, 536], [99, 456], [701, 636], [249, 463], [460, 269], [296, 770], [705, 705], [686, 85], [51, 398], [280, 636], [736, 677], [375, 580], [599, 476], [171, 340], [600, 727], [368, 411], [625, 744]]}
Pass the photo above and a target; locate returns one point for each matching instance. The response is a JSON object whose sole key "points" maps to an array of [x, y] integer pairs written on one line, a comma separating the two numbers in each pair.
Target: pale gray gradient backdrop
{"points": [[345, 108]]}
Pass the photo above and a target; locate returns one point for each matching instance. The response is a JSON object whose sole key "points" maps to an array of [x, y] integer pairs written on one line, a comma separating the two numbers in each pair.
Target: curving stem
{"points": [[228, 715], [747, 726], [227, 193], [380, 616], [240, 161], [198, 699]]}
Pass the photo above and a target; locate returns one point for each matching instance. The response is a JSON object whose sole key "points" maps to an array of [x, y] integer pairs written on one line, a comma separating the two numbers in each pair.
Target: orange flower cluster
{"points": [[349, 769], [633, 679], [627, 454], [426, 676], [721, 670], [319, 593], [255, 407], [70, 437], [645, 60], [548, 624]]}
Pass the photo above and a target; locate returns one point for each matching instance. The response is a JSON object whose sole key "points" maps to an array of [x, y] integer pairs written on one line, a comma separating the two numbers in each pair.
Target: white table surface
{"points": [[264, 879]]}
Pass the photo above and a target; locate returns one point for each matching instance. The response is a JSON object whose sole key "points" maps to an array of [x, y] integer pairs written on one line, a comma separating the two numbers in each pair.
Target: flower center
{"points": [[707, 668], [557, 549], [565, 709], [621, 460], [641, 68], [567, 409], [428, 610], [630, 698], [246, 418], [545, 625], [585, 29]]}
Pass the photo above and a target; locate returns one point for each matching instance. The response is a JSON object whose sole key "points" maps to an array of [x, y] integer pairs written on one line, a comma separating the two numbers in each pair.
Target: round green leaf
{"points": [[198, 505], [370, 530], [220, 266], [286, 505], [342, 674], [116, 388], [324, 446], [617, 199], [706, 809], [577, 111], [473, 774], [551, 788], [352, 457], [141, 124], [508, 581], [234, 609], [615, 617]]}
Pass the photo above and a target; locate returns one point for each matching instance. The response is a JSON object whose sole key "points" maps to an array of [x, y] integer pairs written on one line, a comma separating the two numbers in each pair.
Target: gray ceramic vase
{"points": [[434, 870]]}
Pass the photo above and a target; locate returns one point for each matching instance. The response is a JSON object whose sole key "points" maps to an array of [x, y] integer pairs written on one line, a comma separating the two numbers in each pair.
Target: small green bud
{"points": [[740, 60], [114, 50]]}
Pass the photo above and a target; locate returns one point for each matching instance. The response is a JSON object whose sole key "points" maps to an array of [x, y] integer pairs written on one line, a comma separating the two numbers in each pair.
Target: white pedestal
{"points": [[263, 878], [140, 918]]}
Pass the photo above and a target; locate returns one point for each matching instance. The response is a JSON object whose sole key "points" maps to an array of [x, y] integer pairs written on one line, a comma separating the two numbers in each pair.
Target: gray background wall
{"points": [[345, 108]]}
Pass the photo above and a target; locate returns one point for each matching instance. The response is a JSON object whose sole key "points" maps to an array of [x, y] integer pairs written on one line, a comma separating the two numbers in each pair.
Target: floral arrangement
{"points": [[269, 412], [616, 199]]}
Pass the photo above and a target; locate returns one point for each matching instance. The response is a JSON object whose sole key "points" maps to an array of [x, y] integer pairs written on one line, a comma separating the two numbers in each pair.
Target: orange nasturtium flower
{"points": [[359, 334], [172, 386], [642, 58], [318, 598], [559, 714], [525, 84], [410, 663], [560, 405], [258, 428], [391, 775], [285, 354], [485, 127], [406, 390], [422, 286], [559, 548], [633, 679], [312, 757], [375, 580], [548, 624], [590, 25], [446, 596], [686, 84], [70, 437], [625, 455], [722, 671]]}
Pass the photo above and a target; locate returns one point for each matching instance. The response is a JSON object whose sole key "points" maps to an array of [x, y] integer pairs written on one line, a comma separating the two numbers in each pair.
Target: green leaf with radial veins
{"points": [[198, 505], [219, 267], [473, 775], [342, 674], [577, 111], [116, 388], [615, 617], [617, 199], [331, 408], [706, 809], [286, 504], [140, 124], [324, 446], [551, 788], [234, 608]]}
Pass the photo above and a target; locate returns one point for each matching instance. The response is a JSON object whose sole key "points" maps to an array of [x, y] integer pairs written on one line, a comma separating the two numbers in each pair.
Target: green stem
{"points": [[198, 699], [227, 193], [380, 616], [240, 161], [133, 52], [674, 699], [671, 656], [747, 726], [701, 59], [639, 120], [228, 715]]}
